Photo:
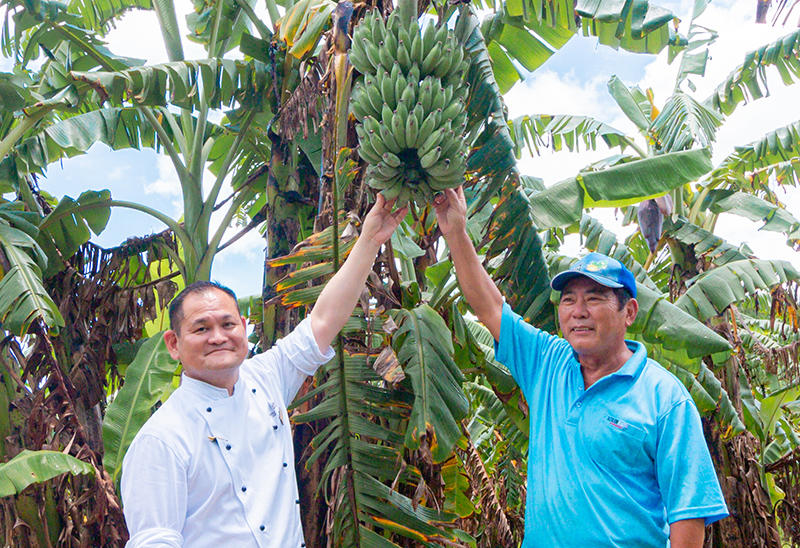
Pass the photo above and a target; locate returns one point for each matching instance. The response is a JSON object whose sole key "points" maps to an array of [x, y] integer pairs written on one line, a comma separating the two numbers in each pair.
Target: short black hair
{"points": [[623, 296], [176, 306]]}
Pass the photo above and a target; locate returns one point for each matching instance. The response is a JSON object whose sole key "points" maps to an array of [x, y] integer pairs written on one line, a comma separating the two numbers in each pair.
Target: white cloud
{"points": [[138, 35], [167, 185]]}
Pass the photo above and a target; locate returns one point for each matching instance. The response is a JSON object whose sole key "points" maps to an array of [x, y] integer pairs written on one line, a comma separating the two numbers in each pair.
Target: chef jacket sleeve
{"points": [[154, 492], [293, 358]]}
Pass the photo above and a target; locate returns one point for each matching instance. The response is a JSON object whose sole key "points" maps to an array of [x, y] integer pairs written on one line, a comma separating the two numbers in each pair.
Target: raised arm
{"points": [[476, 285], [336, 302]]}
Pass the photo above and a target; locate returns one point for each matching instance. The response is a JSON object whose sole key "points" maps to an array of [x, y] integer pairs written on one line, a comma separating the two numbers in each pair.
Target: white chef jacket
{"points": [[212, 470]]}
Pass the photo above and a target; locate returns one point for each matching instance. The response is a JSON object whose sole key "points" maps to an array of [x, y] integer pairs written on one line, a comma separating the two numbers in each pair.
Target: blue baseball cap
{"points": [[600, 268]]}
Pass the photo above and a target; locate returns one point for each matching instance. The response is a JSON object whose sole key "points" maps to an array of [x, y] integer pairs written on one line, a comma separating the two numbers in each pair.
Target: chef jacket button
{"points": [[297, 501], [303, 544], [208, 409], [274, 426], [228, 447], [254, 390], [285, 465], [262, 527], [244, 488]]}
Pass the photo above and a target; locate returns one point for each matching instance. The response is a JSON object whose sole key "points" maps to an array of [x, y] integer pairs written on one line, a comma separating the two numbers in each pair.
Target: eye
{"points": [[200, 330]]}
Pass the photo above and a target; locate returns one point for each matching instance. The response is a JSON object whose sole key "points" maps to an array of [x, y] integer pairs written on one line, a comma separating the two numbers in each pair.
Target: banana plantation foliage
{"points": [[413, 435]]}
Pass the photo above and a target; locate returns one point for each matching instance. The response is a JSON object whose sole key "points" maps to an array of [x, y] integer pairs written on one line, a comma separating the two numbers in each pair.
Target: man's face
{"points": [[212, 341], [590, 317]]}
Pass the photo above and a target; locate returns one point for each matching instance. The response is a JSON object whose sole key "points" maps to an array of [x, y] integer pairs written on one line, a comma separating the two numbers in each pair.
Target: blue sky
{"points": [[571, 82]]}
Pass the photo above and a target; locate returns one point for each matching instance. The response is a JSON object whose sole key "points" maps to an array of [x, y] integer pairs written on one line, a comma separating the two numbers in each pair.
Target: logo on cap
{"points": [[594, 266]]}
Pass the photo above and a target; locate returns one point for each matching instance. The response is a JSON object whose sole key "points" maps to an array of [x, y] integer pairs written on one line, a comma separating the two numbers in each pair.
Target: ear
{"points": [[631, 310], [171, 340], [244, 322]]}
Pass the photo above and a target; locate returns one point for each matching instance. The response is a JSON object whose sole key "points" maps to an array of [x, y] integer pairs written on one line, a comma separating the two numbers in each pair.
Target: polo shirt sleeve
{"points": [[684, 470], [522, 347], [154, 493], [293, 358]]}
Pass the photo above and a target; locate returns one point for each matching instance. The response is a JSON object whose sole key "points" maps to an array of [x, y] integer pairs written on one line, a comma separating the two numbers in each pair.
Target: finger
{"points": [[379, 200], [400, 214], [439, 199]]}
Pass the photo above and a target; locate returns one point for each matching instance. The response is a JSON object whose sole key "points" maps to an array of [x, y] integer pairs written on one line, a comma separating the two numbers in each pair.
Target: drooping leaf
{"points": [[562, 131], [562, 203], [706, 244], [775, 218], [748, 81], [712, 292], [683, 122], [145, 380], [23, 298], [62, 238], [216, 82], [424, 346], [774, 156], [35, 467]]}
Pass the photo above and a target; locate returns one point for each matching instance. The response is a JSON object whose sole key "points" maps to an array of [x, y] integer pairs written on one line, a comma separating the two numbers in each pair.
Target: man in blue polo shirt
{"points": [[616, 452]]}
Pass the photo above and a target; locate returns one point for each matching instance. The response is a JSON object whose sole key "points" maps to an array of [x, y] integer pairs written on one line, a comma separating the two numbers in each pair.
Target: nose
{"points": [[579, 309], [216, 336]]}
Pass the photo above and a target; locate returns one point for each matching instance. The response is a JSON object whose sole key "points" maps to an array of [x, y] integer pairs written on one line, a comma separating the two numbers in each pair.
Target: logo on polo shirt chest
{"points": [[614, 422]]}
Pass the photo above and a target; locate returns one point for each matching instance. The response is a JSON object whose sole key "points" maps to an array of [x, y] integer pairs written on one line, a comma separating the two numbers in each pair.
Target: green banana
{"points": [[428, 39], [387, 90], [425, 130], [372, 53], [402, 56], [388, 137], [399, 130], [393, 191], [442, 68], [416, 48], [386, 114], [374, 96], [391, 160], [430, 158], [412, 127], [431, 59], [409, 95], [432, 141]]}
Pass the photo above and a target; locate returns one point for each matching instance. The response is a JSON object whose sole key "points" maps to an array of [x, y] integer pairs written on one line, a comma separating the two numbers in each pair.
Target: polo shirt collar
{"points": [[208, 391], [632, 366]]}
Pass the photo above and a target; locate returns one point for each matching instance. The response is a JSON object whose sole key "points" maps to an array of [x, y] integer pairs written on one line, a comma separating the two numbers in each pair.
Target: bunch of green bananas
{"points": [[411, 104]]}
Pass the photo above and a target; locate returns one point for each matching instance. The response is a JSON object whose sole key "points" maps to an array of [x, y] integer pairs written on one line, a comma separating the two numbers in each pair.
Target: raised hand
{"points": [[381, 221], [451, 211]]}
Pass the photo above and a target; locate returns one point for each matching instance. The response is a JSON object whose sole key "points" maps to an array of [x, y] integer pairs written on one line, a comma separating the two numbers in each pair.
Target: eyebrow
{"points": [[205, 319], [593, 290]]}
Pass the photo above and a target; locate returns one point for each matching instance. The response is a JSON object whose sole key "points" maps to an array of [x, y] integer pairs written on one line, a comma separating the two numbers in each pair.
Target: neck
{"points": [[220, 379], [596, 366]]}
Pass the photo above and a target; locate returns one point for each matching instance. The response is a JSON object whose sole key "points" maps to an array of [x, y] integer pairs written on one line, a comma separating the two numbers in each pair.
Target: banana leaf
{"points": [[748, 81], [31, 467], [145, 381], [774, 156], [23, 298], [705, 244], [424, 346], [561, 131], [712, 292]]}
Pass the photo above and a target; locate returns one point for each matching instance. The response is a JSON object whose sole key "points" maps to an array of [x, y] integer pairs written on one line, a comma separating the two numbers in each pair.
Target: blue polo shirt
{"points": [[613, 465]]}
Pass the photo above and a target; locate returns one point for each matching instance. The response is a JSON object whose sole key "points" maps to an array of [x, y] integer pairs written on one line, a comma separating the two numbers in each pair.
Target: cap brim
{"points": [[563, 278]]}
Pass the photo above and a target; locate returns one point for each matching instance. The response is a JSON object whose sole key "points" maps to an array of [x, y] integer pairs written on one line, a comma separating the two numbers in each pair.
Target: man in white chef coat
{"points": [[214, 466]]}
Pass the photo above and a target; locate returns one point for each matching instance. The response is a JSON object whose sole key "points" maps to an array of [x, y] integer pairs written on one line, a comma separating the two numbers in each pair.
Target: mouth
{"points": [[581, 329], [218, 350]]}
